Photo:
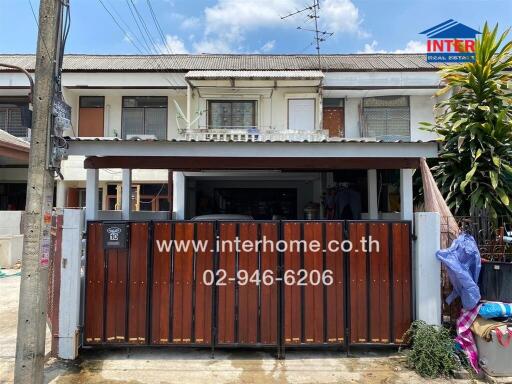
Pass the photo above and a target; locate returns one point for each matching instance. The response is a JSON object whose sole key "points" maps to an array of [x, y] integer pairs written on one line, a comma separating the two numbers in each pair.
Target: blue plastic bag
{"points": [[492, 309], [462, 260]]}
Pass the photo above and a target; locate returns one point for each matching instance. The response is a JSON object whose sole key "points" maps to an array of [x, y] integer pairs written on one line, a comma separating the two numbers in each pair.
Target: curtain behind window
{"points": [[133, 121]]}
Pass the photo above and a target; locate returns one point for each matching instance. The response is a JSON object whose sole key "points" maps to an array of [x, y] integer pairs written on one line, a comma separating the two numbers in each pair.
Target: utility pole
{"points": [[30, 343]]}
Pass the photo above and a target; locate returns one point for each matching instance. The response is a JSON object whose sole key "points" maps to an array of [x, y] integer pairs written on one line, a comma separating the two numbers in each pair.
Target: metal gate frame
{"points": [[281, 345]]}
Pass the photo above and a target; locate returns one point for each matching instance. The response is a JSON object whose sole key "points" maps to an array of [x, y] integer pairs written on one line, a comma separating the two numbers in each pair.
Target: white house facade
{"points": [[267, 136]]}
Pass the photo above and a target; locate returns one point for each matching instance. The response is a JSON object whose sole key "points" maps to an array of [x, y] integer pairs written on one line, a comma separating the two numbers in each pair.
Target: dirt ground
{"points": [[191, 366]]}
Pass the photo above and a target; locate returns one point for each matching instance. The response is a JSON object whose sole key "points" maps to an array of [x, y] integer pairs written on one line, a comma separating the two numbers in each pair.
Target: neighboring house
{"points": [[269, 136], [14, 153]]}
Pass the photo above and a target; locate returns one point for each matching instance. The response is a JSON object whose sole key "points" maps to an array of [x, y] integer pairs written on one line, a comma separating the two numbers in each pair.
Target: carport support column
{"points": [[62, 194], [373, 204], [91, 195], [406, 200], [126, 194]]}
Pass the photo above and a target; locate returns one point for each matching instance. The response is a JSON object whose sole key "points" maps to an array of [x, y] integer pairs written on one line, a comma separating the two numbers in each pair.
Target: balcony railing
{"points": [[252, 135]]}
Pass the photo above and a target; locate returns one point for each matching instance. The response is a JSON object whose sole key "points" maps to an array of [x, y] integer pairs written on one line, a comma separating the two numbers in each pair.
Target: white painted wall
{"points": [[69, 302], [427, 269], [422, 111], [352, 126], [179, 197], [73, 170], [10, 222]]}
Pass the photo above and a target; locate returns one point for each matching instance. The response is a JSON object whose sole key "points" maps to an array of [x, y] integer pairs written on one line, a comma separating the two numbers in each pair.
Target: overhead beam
{"points": [[340, 150], [197, 163]]}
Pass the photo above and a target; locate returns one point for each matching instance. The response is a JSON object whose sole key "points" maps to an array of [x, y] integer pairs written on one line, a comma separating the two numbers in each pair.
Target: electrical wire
{"points": [[128, 28], [120, 27], [148, 48], [144, 25], [158, 58], [158, 27], [37, 24], [128, 36], [131, 41]]}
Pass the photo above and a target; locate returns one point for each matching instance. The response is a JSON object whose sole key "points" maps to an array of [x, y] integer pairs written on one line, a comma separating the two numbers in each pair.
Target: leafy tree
{"points": [[474, 169]]}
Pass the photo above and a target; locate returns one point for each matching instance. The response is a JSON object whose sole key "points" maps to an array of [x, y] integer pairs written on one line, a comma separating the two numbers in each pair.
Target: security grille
{"points": [[386, 118], [11, 120], [228, 114]]}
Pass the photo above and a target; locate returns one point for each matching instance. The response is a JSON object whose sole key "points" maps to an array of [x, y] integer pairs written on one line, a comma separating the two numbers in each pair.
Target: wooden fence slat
{"points": [[313, 305], [138, 284], [203, 293], [336, 291], [379, 284], [160, 297], [292, 293], [226, 291], [358, 285], [269, 293], [402, 306], [95, 285]]}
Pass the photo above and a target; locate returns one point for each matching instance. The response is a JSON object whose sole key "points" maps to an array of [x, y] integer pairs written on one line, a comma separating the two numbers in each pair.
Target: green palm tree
{"points": [[474, 169]]}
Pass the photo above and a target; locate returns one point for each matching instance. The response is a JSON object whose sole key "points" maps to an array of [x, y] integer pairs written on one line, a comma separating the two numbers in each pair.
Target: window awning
{"points": [[257, 75]]}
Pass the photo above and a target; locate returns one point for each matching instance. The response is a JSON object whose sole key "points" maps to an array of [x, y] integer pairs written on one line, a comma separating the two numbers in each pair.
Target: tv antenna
{"points": [[312, 13]]}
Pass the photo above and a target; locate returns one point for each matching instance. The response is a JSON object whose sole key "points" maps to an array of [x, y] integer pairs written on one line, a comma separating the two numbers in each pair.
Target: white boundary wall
{"points": [[69, 304], [427, 269]]}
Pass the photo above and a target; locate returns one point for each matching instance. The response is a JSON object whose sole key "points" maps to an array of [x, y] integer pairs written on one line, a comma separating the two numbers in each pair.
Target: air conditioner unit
{"points": [[141, 137]]}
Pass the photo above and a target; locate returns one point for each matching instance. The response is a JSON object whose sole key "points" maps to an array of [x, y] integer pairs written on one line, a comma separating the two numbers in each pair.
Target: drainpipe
{"points": [[189, 102], [30, 79]]}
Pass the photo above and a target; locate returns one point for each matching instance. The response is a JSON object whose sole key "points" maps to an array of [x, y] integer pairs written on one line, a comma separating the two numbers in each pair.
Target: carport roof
{"points": [[291, 156], [13, 149]]}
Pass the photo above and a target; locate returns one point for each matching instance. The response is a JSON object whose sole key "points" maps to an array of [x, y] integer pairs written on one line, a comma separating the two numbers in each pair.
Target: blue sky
{"points": [[231, 26]]}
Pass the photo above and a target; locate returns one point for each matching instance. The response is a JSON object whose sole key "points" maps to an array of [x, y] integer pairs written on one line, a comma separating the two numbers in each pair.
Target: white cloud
{"points": [[228, 21], [372, 48], [341, 16], [413, 46], [173, 44], [190, 23], [268, 46], [212, 46]]}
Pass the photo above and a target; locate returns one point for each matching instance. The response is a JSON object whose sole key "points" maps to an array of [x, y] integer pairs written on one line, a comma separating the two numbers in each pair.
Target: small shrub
{"points": [[432, 351]]}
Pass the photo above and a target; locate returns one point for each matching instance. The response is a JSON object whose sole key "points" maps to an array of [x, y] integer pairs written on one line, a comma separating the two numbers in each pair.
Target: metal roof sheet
{"points": [[254, 74], [232, 62], [330, 140], [6, 137]]}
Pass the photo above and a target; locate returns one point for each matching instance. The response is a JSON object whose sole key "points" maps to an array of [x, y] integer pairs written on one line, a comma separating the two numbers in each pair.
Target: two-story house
{"points": [[267, 136], [274, 138]]}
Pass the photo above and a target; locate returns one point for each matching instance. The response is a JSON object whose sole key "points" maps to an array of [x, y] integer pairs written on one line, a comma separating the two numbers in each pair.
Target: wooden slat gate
{"points": [[214, 293]]}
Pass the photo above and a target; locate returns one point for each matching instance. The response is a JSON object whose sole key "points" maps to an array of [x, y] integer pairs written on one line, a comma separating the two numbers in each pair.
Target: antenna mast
{"points": [[312, 13]]}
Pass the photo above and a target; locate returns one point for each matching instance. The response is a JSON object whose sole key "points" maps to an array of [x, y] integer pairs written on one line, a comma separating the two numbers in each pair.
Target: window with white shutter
{"points": [[301, 114], [386, 118]]}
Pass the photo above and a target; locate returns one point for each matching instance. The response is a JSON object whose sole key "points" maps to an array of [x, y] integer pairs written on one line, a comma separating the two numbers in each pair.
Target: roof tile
{"points": [[184, 63]]}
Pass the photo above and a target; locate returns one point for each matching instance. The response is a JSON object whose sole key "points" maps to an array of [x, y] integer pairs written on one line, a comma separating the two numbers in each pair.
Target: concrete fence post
{"points": [[427, 269], [69, 304]]}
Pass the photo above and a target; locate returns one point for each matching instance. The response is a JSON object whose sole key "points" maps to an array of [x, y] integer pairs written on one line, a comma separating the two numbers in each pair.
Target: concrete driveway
{"points": [[191, 366]]}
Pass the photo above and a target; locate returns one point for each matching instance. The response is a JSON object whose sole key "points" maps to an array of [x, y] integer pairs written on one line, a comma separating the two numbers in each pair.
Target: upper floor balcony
{"points": [[252, 134], [275, 116]]}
